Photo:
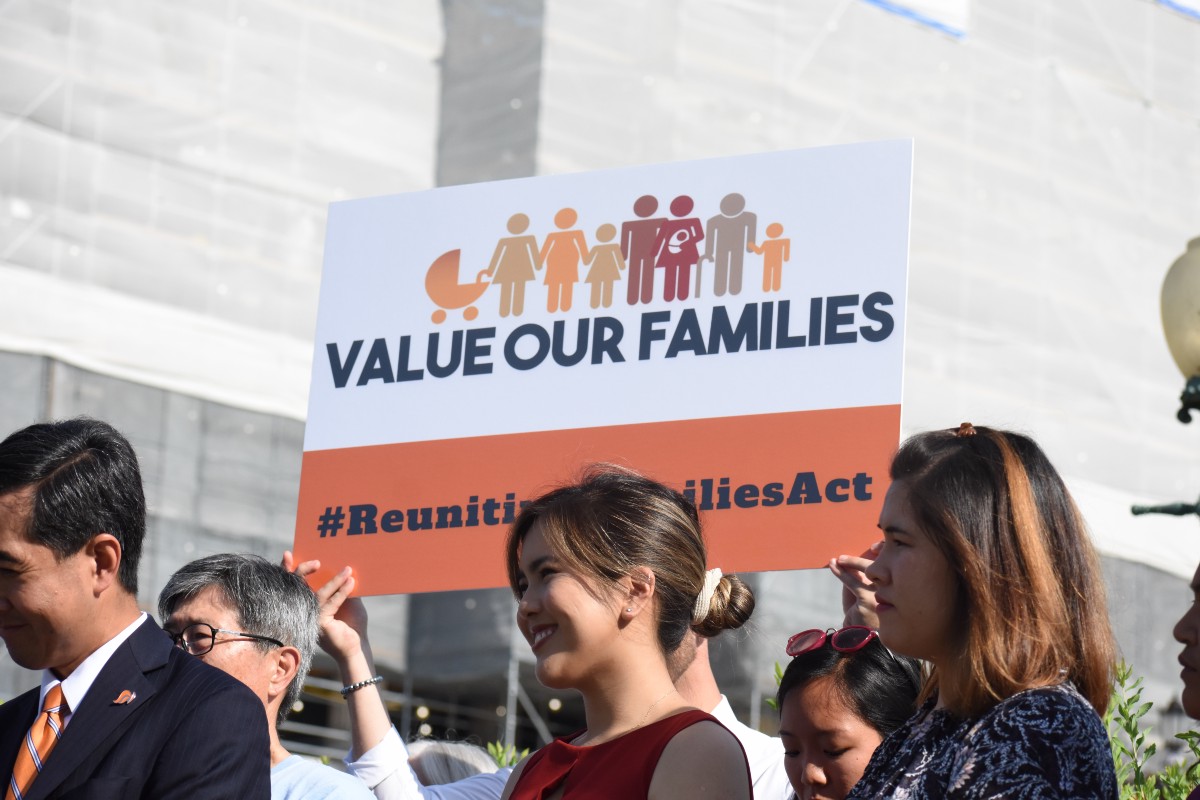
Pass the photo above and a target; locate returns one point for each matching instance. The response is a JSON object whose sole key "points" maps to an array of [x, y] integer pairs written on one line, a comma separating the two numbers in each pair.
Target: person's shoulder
{"points": [[297, 777], [702, 758], [706, 735], [1058, 705], [190, 682], [1041, 721], [184, 669], [1041, 742]]}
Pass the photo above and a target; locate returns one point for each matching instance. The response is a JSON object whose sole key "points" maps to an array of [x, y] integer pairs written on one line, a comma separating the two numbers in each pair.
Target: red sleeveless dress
{"points": [[620, 768]]}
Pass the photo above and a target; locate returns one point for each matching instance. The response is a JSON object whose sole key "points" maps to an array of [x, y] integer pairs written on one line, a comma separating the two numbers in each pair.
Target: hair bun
{"points": [[731, 605]]}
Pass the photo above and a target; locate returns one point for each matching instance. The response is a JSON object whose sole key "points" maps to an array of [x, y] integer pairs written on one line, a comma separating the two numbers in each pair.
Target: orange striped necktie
{"points": [[38, 743]]}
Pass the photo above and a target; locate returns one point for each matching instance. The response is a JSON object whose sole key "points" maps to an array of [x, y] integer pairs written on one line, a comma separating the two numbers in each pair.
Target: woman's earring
{"points": [[629, 610]]}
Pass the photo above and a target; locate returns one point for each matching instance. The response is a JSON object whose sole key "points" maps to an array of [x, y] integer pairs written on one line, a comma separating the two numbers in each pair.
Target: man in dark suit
{"points": [[141, 718]]}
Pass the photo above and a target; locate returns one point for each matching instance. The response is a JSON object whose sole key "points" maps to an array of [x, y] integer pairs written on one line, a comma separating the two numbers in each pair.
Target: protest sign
{"points": [[732, 327]]}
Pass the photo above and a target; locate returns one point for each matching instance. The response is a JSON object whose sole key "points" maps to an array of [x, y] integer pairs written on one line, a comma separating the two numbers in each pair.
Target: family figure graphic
{"points": [[647, 243]]}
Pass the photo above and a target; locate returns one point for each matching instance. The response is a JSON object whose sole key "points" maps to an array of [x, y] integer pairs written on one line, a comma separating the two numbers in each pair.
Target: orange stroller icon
{"points": [[443, 288]]}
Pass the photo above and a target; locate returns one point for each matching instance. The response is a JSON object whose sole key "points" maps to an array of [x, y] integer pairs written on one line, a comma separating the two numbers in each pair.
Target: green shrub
{"points": [[1131, 752]]}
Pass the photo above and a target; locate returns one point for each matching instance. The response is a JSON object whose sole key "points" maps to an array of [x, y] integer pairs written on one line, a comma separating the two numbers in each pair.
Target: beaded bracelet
{"points": [[354, 687]]}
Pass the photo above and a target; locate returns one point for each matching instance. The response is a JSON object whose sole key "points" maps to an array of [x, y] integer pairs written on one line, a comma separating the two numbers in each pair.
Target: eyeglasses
{"points": [[199, 637], [850, 639]]}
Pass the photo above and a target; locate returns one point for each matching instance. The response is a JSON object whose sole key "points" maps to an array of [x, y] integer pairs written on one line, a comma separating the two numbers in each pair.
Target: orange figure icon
{"points": [[775, 252], [561, 253], [443, 288], [607, 265], [513, 265]]}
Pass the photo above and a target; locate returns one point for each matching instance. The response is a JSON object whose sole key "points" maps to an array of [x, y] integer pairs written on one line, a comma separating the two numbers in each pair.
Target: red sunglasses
{"points": [[850, 639]]}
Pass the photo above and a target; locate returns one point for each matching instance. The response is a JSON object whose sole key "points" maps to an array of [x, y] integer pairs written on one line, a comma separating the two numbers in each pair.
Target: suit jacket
{"points": [[191, 732]]}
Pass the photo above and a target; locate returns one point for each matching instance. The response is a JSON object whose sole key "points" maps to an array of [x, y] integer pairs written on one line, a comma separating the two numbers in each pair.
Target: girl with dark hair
{"points": [[842, 693], [609, 575], [987, 572]]}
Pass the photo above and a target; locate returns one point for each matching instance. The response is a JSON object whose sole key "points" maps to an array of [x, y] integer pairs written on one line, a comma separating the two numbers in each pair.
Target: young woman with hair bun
{"points": [[610, 575], [988, 573]]}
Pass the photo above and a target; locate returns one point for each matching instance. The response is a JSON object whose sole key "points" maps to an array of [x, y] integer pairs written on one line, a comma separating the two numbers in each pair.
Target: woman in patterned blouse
{"points": [[988, 573]]}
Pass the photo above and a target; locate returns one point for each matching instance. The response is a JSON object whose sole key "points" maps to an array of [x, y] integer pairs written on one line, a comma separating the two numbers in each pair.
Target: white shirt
{"points": [[297, 778], [385, 769], [380, 768], [81, 679]]}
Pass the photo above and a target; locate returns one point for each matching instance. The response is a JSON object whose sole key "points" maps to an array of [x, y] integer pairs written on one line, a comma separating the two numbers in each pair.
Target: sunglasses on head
{"points": [[850, 639]]}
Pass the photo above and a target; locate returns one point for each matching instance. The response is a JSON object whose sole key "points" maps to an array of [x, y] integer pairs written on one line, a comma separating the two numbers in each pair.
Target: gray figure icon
{"points": [[730, 235]]}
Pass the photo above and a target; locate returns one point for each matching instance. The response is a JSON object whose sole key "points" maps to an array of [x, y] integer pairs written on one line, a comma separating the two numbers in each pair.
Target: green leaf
{"points": [[1131, 753], [505, 756]]}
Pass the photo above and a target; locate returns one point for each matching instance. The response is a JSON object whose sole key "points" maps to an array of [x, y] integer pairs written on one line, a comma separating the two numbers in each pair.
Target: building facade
{"points": [[165, 171]]}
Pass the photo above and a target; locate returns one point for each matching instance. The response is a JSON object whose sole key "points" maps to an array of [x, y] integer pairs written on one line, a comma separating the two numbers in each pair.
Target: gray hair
{"points": [[439, 762], [267, 599]]}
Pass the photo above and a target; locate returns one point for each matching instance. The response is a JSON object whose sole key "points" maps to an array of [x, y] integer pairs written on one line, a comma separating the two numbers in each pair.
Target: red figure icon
{"points": [[513, 265], [638, 237], [607, 265], [561, 253], [676, 248], [775, 252]]}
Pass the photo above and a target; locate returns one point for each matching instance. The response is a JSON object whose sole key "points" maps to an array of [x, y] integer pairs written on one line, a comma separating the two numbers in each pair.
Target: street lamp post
{"points": [[1181, 328], [1181, 324]]}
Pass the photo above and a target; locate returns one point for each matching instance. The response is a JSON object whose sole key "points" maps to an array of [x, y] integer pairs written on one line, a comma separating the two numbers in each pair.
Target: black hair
{"points": [[879, 687], [85, 480]]}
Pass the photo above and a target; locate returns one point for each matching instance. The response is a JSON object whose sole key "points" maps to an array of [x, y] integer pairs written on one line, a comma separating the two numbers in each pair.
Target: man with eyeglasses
{"points": [[257, 622], [120, 712]]}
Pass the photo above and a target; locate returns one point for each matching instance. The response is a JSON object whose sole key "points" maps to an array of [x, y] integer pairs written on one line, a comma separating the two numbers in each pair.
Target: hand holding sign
{"points": [[344, 637], [343, 620]]}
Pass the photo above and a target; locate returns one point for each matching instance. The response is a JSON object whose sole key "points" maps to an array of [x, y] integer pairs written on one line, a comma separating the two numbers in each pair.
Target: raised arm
{"points": [[377, 754], [344, 637]]}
